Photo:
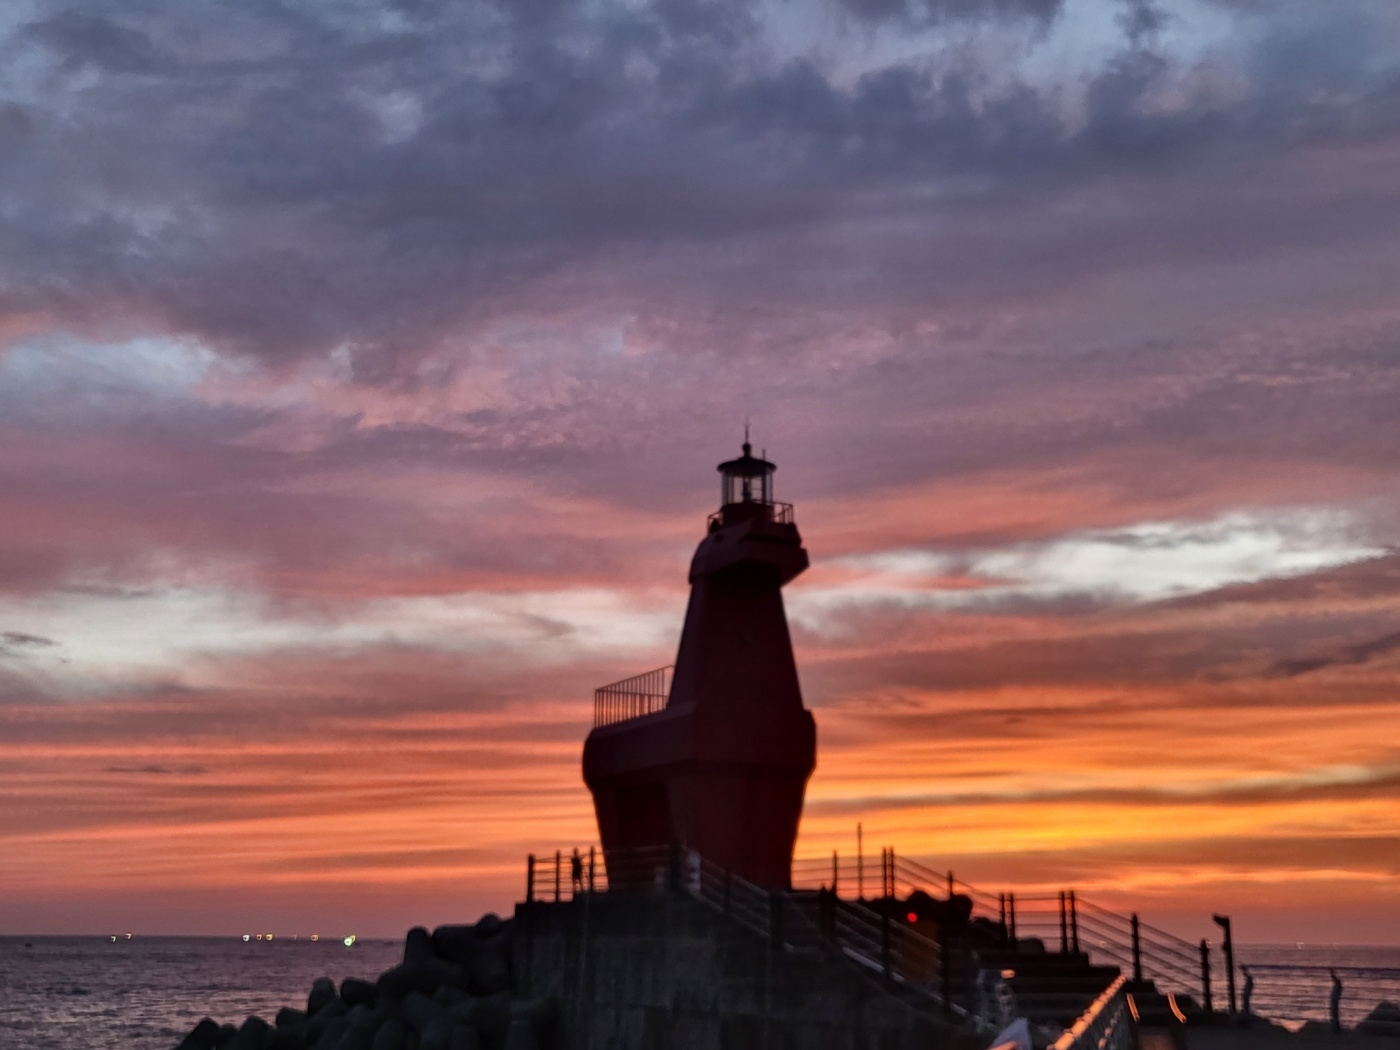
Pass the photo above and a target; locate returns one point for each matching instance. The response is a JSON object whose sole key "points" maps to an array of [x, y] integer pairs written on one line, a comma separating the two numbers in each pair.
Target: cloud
{"points": [[365, 367], [317, 182], [23, 640], [1347, 657]]}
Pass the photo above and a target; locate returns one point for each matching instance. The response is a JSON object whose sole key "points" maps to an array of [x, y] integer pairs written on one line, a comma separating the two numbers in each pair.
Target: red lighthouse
{"points": [[719, 761]]}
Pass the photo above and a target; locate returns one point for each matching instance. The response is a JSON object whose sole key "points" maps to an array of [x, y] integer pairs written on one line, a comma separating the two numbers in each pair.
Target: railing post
{"points": [[1064, 926], [1011, 915], [591, 883], [558, 861], [530, 879], [893, 891], [835, 875], [1205, 975], [1223, 921], [1137, 951], [1073, 923], [860, 862], [1001, 907], [950, 885]]}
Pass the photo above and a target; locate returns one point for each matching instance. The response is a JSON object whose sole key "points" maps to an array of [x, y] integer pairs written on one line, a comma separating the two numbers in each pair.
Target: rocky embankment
{"points": [[454, 990]]}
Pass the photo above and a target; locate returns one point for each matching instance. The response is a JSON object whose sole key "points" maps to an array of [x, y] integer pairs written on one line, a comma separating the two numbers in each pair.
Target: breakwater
{"points": [[453, 990]]}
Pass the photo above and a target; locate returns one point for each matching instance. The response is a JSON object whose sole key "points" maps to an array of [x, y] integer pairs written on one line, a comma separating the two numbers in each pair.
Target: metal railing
{"points": [[778, 513], [1106, 1025], [791, 921], [1061, 920], [642, 694]]}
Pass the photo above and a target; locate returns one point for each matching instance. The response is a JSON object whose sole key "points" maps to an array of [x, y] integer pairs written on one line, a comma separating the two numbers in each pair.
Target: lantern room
{"points": [[747, 479]]}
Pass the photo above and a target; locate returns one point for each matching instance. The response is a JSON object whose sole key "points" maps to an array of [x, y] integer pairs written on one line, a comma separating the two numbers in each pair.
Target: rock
{"points": [[417, 946], [203, 1036], [426, 977], [363, 1023], [285, 1039], [455, 943], [490, 970], [322, 992], [1383, 1020], [489, 924], [448, 996], [290, 1018], [320, 1024], [355, 992], [251, 1036], [489, 1015], [437, 1033], [392, 1035], [419, 1011], [334, 1032], [484, 955]]}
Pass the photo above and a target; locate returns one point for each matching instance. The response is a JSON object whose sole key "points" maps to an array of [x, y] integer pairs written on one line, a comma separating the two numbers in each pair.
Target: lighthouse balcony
{"points": [[636, 697], [751, 510]]}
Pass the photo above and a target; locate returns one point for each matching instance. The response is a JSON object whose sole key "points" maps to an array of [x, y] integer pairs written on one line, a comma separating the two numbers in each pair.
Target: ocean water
{"points": [[58, 993], [1292, 983]]}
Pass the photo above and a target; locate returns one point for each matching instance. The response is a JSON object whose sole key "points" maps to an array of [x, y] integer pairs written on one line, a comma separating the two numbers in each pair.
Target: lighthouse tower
{"points": [[720, 760]]}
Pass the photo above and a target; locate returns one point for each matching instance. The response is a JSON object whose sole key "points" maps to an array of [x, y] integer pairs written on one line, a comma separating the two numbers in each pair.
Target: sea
{"points": [[146, 993]]}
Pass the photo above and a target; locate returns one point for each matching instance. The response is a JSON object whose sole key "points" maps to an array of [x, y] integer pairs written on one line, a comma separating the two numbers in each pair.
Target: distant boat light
{"points": [[315, 936], [246, 938], [349, 940]]}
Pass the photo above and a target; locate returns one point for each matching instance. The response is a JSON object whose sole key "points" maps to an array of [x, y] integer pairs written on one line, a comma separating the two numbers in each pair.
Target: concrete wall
{"points": [[664, 971]]}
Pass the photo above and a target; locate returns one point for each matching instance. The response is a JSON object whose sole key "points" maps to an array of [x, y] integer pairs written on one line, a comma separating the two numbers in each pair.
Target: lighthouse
{"points": [[715, 752]]}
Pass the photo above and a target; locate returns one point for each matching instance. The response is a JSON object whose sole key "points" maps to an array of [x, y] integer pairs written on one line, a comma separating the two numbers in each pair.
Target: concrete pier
{"points": [[647, 972]]}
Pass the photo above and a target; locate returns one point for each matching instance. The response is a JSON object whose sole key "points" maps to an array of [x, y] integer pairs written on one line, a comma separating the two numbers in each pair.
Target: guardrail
{"points": [[1106, 1025], [1062, 919], [642, 694], [793, 921], [778, 513]]}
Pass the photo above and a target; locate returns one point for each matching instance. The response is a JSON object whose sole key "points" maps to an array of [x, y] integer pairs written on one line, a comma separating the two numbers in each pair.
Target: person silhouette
{"points": [[576, 870], [1336, 1002], [1248, 988]]}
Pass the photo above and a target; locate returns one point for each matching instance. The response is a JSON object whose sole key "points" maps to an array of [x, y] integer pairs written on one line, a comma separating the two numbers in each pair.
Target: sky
{"points": [[364, 365]]}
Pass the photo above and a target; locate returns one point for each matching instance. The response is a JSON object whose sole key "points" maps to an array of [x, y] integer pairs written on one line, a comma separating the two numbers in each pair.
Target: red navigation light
{"points": [[913, 916]]}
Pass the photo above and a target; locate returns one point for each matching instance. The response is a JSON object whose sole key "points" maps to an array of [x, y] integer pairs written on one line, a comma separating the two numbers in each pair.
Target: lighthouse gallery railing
{"points": [[642, 694]]}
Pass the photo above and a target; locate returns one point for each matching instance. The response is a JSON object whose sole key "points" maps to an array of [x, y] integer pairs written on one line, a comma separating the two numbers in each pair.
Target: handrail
{"points": [[636, 697], [1106, 1025], [874, 935], [1077, 925], [778, 513], [786, 919]]}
